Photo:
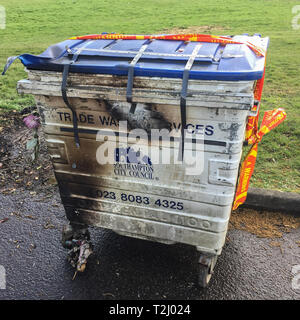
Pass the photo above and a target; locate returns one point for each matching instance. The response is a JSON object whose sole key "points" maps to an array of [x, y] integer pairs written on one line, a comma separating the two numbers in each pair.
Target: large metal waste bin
{"points": [[205, 87]]}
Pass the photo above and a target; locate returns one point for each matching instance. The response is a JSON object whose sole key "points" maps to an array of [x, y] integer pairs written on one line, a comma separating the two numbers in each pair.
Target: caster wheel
{"points": [[204, 275], [205, 270], [76, 238], [71, 232]]}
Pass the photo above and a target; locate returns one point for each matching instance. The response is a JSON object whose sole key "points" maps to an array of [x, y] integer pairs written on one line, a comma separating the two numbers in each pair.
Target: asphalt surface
{"points": [[125, 268]]}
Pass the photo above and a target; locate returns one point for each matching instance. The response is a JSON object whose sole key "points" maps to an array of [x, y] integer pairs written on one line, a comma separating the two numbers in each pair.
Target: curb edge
{"points": [[273, 200]]}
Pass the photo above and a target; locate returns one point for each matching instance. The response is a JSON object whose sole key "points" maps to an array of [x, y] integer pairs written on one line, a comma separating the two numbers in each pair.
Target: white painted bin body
{"points": [[193, 209]]}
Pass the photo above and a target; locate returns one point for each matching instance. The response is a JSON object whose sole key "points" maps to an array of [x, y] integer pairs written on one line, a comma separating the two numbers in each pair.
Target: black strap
{"points": [[74, 57], [130, 77], [65, 98], [184, 89]]}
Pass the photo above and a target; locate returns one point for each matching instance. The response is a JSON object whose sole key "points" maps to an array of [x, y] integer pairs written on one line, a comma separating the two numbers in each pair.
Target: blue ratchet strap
{"points": [[185, 80], [130, 76]]}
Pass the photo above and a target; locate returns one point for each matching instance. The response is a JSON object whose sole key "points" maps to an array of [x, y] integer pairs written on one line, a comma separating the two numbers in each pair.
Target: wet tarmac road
{"points": [[125, 268]]}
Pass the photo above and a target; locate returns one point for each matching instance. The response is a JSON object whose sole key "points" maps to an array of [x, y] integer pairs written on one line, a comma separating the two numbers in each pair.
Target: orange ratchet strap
{"points": [[179, 37]]}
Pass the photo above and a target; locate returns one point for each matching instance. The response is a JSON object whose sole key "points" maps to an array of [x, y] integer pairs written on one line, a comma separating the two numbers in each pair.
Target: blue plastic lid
{"points": [[161, 58]]}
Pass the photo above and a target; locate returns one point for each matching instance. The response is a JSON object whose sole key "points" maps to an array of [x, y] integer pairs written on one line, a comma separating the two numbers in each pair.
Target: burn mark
{"points": [[232, 129], [144, 117]]}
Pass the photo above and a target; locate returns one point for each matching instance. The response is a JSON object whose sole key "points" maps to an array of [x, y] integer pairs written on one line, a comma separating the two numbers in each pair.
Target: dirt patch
{"points": [[16, 167], [263, 224], [194, 29]]}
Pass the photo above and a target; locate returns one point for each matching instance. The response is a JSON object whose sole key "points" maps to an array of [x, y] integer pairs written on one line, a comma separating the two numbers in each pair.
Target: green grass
{"points": [[33, 25]]}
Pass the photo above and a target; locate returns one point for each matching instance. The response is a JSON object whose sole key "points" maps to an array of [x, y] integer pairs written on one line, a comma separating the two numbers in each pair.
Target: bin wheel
{"points": [[72, 231], [204, 275], [76, 238], [205, 270]]}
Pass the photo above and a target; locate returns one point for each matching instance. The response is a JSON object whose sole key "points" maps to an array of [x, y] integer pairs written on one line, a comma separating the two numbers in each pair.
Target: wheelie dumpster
{"points": [[94, 93]]}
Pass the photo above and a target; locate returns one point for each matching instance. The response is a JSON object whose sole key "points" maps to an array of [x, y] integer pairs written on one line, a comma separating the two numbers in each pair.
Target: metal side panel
{"points": [[128, 204], [209, 241], [223, 130], [215, 178], [238, 101], [153, 83]]}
